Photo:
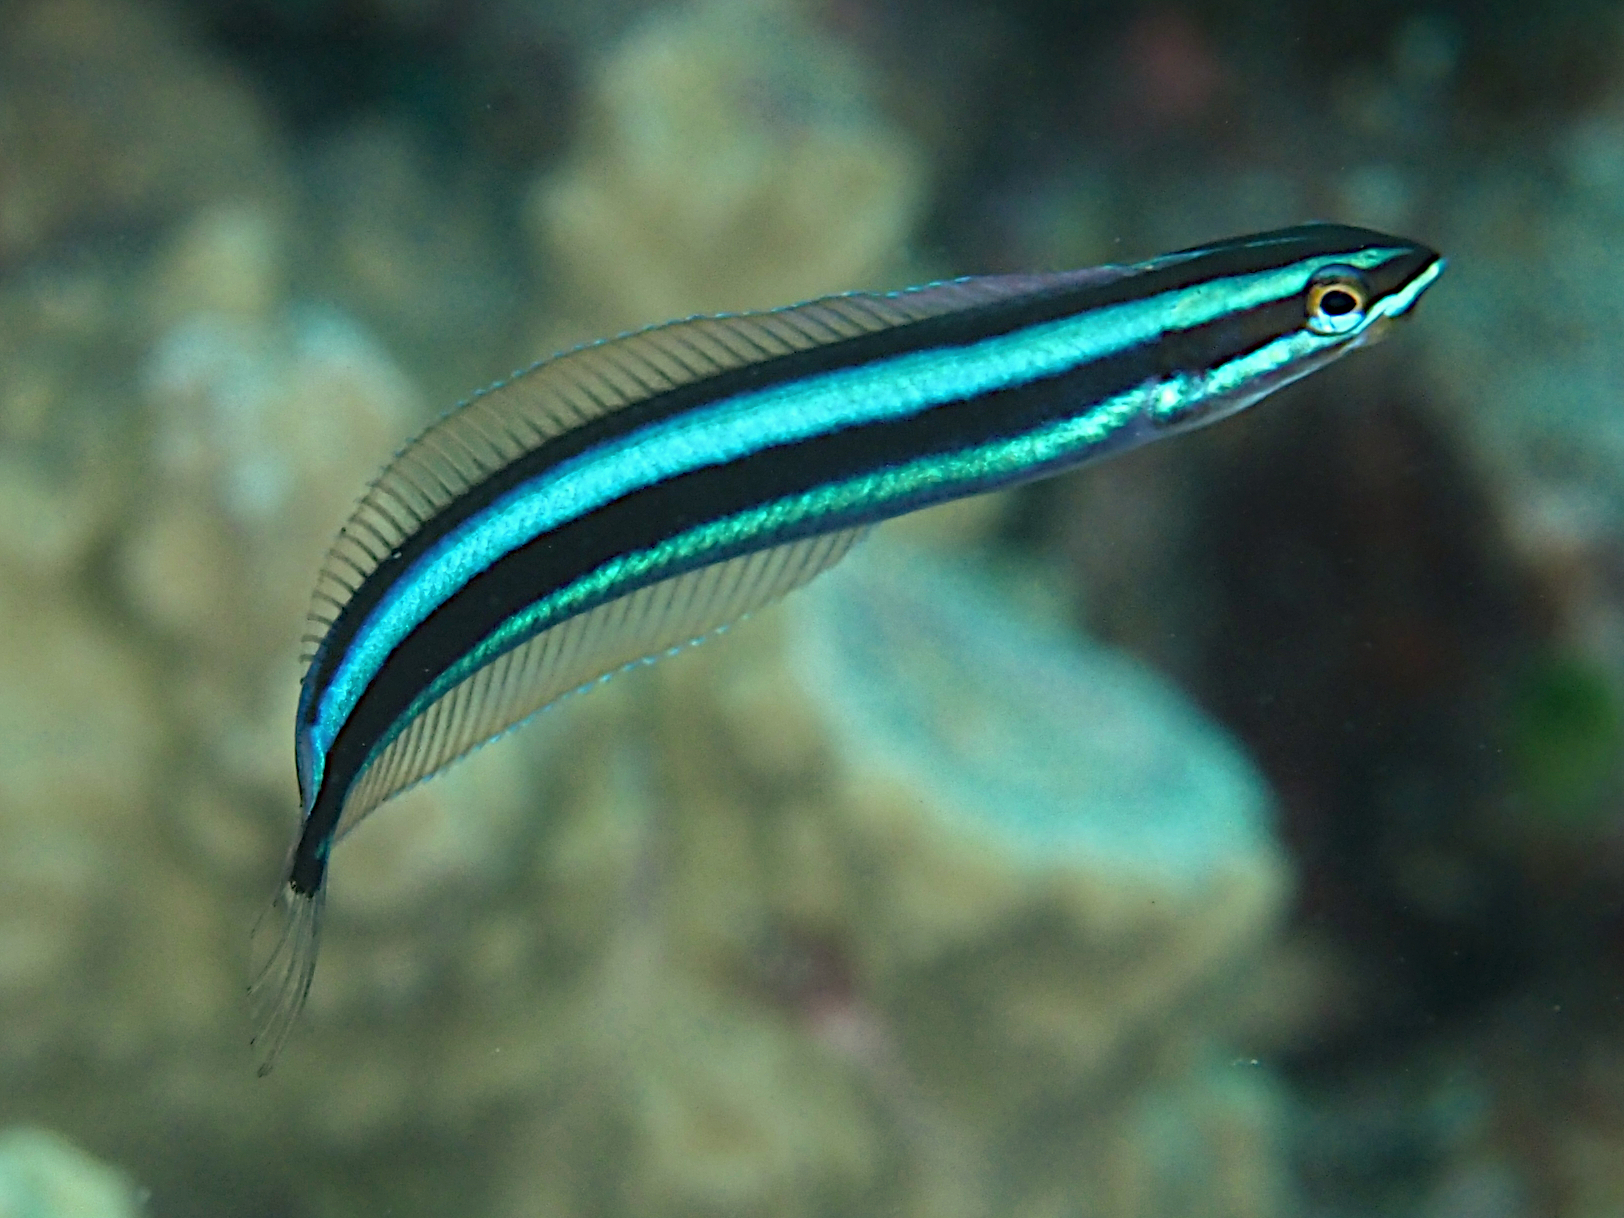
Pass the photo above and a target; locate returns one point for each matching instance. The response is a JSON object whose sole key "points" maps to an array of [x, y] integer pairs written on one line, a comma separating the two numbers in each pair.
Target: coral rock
{"points": [[729, 163]]}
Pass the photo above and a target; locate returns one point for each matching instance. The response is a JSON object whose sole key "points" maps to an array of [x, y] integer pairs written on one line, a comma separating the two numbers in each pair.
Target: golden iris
{"points": [[1337, 299]]}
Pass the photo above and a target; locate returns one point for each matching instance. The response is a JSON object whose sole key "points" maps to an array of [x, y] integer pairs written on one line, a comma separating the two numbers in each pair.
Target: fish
{"points": [[623, 499]]}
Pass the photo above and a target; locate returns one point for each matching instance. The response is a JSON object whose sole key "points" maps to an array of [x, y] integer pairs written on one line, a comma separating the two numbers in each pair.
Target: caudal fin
{"points": [[285, 940]]}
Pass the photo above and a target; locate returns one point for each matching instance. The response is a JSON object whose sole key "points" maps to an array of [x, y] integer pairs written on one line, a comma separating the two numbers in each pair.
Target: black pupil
{"points": [[1337, 302]]}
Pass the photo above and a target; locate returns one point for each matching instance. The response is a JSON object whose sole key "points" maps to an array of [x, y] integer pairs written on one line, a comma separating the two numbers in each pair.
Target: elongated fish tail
{"points": [[285, 940]]}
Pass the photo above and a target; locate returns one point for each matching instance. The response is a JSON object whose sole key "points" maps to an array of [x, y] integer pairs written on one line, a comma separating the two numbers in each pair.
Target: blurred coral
{"points": [[729, 162], [44, 1176], [1000, 881], [888, 903], [112, 117]]}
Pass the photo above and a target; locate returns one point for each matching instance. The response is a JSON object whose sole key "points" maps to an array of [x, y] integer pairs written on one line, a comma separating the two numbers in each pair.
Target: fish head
{"points": [[1300, 298]]}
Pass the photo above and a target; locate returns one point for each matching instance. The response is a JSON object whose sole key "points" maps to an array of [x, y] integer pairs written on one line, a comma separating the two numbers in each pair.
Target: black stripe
{"points": [[657, 513], [1169, 274]]}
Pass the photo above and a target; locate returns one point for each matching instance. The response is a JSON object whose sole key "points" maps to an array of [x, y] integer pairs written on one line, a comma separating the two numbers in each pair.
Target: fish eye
{"points": [[1337, 299]]}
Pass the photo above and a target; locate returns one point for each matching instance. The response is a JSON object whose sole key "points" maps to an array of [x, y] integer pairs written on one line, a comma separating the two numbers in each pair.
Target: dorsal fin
{"points": [[501, 424]]}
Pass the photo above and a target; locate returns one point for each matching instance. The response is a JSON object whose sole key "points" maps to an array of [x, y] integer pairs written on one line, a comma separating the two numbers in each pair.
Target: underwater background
{"points": [[1231, 830]]}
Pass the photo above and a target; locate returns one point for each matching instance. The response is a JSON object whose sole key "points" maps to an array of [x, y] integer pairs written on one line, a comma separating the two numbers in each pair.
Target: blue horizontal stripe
{"points": [[986, 465], [884, 390]]}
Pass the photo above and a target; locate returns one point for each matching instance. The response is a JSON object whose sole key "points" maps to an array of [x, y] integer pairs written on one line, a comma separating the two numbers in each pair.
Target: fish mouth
{"points": [[1380, 323], [1401, 301]]}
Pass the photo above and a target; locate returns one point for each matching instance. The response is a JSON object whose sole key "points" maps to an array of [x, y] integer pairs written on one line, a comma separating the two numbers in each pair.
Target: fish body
{"points": [[630, 496]]}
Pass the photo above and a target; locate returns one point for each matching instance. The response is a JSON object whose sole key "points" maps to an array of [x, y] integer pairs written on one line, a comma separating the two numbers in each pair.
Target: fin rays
{"points": [[643, 625], [284, 968], [501, 424]]}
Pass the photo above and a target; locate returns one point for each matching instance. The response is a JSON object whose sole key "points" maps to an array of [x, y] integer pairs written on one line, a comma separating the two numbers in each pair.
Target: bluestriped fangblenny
{"points": [[633, 495]]}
